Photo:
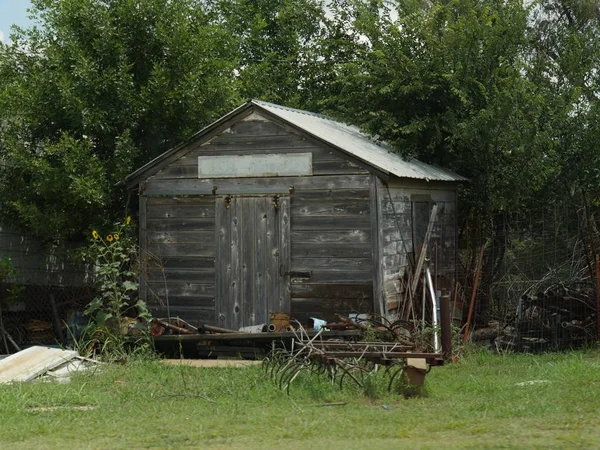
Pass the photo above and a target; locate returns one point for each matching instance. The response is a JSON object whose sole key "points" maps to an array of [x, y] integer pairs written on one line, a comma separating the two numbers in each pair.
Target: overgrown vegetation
{"points": [[484, 401], [116, 311]]}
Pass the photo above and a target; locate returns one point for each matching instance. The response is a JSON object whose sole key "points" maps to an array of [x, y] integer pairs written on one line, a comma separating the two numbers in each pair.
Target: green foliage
{"points": [[7, 269], [113, 256], [94, 90]]}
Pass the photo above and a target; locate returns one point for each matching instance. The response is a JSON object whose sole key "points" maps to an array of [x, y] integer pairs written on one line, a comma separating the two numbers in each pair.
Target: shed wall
{"points": [[402, 224], [331, 229]]}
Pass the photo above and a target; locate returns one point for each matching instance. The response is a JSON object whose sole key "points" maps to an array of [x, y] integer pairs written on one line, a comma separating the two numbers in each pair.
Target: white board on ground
{"points": [[32, 363]]}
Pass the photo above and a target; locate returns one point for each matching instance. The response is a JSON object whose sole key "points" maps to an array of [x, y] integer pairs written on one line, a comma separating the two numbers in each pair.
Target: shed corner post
{"points": [[376, 244]]}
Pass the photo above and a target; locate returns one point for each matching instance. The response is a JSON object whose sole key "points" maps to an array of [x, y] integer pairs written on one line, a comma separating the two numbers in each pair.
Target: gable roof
{"points": [[347, 138]]}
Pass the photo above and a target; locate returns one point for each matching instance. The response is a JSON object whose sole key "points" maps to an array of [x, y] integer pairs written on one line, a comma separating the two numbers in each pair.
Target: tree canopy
{"points": [[502, 91]]}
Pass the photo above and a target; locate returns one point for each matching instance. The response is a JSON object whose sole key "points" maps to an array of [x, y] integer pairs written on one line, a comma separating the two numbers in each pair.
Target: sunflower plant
{"points": [[114, 256]]}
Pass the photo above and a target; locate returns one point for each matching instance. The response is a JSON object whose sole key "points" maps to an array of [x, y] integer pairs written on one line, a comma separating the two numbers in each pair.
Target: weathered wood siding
{"points": [[330, 215], [180, 254], [405, 206]]}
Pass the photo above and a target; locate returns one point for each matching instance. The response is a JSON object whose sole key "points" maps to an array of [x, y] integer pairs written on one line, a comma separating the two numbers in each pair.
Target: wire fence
{"points": [[41, 314], [536, 280]]}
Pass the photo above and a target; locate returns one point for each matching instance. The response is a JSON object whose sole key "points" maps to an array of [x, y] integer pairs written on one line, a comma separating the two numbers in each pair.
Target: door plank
{"points": [[285, 254]]}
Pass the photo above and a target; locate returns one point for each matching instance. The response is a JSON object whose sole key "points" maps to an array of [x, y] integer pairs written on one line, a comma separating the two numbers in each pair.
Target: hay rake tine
{"points": [[393, 377]]}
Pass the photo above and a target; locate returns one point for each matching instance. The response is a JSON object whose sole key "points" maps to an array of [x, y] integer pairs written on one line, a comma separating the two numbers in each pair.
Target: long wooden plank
{"points": [[332, 250], [285, 255], [272, 257], [320, 154], [257, 128], [166, 250], [235, 292], [185, 210], [331, 195], [251, 185], [376, 231], [223, 267], [315, 263], [423, 252], [169, 276], [260, 220], [321, 276], [320, 223], [331, 237], [186, 262], [328, 208], [182, 237], [171, 224], [200, 200], [251, 336], [180, 302], [250, 142], [248, 254]]}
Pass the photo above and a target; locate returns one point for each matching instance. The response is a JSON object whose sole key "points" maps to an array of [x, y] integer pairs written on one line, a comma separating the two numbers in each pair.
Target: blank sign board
{"points": [[237, 166]]}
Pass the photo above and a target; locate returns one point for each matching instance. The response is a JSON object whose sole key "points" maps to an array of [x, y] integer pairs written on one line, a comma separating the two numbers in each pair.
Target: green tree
{"points": [[278, 45], [94, 89]]}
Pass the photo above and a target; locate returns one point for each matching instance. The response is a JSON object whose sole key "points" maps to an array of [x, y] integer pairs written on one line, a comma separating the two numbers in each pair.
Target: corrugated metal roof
{"points": [[350, 139]]}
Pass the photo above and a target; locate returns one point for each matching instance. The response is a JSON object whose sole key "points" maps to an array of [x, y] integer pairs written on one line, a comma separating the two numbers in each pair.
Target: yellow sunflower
{"points": [[116, 236], [128, 220], [109, 238], [95, 234]]}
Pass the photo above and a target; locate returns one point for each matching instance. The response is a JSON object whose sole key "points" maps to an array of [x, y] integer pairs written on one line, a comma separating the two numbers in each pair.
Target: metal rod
{"points": [[423, 301], [170, 326], [446, 326], [474, 294], [434, 315], [217, 329]]}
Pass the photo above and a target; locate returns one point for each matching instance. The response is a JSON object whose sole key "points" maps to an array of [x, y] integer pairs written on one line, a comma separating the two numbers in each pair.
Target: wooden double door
{"points": [[253, 259]]}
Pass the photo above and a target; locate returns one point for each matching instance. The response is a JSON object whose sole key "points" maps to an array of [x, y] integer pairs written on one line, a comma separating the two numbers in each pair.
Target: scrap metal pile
{"points": [[351, 348], [347, 360], [561, 316]]}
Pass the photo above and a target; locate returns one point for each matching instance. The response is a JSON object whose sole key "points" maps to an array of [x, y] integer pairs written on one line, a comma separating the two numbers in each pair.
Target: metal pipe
{"points": [[445, 325], [423, 301], [271, 327], [170, 326], [474, 294], [262, 328], [434, 319], [217, 329]]}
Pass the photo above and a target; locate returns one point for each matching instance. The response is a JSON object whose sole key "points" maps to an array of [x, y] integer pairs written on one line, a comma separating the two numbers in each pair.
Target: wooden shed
{"points": [[272, 209]]}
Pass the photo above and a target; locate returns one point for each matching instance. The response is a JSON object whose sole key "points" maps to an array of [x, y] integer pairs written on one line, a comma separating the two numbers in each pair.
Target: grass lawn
{"points": [[476, 403]]}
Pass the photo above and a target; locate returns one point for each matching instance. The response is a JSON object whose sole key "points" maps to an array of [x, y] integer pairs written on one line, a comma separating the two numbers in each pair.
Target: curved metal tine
{"points": [[292, 378], [320, 368], [393, 377], [387, 369], [332, 373], [342, 377], [287, 370], [354, 378], [276, 367]]}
